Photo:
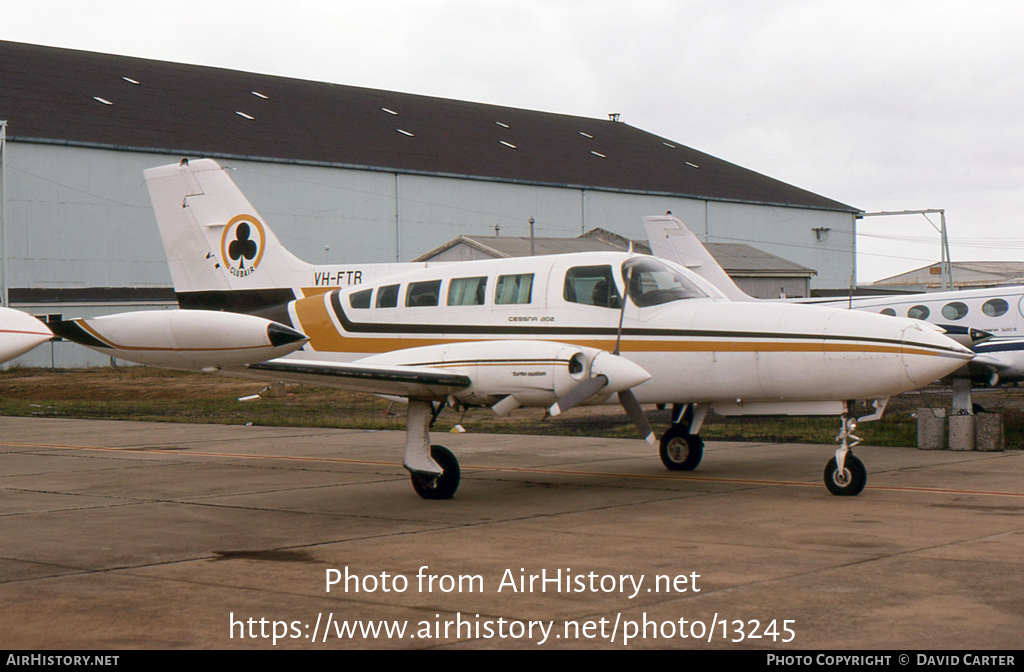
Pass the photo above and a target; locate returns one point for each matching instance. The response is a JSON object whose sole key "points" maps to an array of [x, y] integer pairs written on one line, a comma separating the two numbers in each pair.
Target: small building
{"points": [[759, 274], [966, 275]]}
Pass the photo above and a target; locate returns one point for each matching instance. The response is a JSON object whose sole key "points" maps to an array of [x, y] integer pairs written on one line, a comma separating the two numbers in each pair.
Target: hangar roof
{"points": [[737, 259], [73, 97]]}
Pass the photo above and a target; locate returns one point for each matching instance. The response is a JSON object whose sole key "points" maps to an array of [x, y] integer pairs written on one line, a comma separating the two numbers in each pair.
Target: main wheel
{"points": [[850, 482], [443, 486], [680, 450]]}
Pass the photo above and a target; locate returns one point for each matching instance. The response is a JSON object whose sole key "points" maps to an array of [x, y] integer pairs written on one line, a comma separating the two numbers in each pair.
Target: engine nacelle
{"points": [[537, 373], [183, 339]]}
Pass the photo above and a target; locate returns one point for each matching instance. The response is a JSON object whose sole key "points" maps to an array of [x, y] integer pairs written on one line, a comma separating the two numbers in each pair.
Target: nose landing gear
{"points": [[845, 475], [682, 449]]}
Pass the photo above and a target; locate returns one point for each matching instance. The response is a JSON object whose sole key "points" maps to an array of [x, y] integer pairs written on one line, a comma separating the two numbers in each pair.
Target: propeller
{"points": [[611, 369]]}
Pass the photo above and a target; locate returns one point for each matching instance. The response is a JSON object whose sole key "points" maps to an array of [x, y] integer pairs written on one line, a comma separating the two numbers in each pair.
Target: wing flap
{"points": [[400, 381]]}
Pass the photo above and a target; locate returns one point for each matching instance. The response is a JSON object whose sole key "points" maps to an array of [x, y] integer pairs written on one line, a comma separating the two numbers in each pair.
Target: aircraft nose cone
{"points": [[280, 335], [929, 355]]}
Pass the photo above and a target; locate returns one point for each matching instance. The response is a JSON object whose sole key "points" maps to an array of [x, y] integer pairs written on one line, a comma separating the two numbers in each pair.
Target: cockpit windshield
{"points": [[652, 282]]}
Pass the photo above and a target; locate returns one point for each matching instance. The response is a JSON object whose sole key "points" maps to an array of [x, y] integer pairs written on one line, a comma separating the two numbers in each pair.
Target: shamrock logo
{"points": [[242, 248]]}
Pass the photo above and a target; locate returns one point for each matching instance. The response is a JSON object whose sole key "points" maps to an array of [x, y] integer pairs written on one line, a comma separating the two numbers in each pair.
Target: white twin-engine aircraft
{"points": [[550, 331]]}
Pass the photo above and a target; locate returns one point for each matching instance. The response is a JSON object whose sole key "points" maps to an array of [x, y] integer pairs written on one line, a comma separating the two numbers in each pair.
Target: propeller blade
{"points": [[636, 414], [622, 311], [579, 394]]}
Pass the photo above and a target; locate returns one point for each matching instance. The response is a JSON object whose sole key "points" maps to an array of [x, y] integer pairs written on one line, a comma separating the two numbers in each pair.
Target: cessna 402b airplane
{"points": [[551, 331]]}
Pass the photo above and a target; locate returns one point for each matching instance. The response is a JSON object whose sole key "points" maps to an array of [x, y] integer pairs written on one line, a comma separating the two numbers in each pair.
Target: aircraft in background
{"points": [[552, 331], [989, 321], [19, 333]]}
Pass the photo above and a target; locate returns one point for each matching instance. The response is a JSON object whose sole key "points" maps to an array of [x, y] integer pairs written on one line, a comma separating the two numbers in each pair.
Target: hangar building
{"points": [[343, 174]]}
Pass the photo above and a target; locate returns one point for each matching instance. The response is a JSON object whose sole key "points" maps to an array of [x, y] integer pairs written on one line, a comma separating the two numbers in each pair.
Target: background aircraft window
{"points": [[919, 312], [467, 291], [514, 289], [422, 294], [360, 299], [653, 283], [888, 311], [591, 286], [995, 307], [387, 297], [954, 311]]}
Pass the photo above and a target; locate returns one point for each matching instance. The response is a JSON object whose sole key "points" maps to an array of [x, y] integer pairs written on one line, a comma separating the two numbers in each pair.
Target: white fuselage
{"points": [[700, 349]]}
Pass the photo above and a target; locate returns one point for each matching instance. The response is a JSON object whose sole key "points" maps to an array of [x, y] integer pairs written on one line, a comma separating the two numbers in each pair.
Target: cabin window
{"points": [[888, 311], [954, 311], [360, 299], [591, 286], [467, 291], [387, 297], [995, 307], [919, 312], [652, 282], [422, 294], [514, 289]]}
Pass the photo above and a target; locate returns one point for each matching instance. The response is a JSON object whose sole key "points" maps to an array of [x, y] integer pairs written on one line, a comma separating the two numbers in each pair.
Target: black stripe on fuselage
{"points": [[562, 332], [72, 331]]}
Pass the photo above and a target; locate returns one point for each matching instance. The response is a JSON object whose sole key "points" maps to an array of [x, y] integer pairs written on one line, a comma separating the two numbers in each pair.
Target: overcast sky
{"points": [[883, 105]]}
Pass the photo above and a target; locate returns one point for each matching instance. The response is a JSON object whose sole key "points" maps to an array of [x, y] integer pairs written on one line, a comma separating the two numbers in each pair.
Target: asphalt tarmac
{"points": [[129, 535]]}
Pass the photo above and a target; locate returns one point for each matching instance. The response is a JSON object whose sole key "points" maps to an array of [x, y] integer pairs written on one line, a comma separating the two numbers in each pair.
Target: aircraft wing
{"points": [[418, 382]]}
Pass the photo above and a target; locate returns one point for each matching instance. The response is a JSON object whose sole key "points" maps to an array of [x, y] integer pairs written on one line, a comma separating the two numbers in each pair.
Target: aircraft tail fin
{"points": [[214, 239], [670, 239]]}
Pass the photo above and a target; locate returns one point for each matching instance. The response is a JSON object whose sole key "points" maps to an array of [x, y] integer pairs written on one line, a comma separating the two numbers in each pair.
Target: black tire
{"points": [[443, 486], [680, 450], [851, 482]]}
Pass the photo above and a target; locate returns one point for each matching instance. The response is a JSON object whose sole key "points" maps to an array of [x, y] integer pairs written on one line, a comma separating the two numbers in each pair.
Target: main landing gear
{"points": [[845, 475], [434, 470], [681, 447]]}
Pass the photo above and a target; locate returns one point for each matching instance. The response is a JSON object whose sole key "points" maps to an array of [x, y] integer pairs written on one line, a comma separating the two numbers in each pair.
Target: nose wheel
{"points": [[680, 450], [845, 475]]}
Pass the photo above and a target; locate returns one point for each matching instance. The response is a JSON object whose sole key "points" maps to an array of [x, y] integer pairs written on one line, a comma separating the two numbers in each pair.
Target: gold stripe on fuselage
{"points": [[315, 321]]}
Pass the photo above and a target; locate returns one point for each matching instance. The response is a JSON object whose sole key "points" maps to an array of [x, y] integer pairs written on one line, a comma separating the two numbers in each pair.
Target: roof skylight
{"points": [[598, 154], [691, 165], [131, 81], [244, 115], [389, 111], [102, 100], [507, 144], [586, 135], [668, 145], [403, 132], [502, 125], [260, 95]]}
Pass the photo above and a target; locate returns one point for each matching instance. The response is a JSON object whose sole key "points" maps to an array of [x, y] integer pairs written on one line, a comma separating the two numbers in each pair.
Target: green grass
{"points": [[154, 395]]}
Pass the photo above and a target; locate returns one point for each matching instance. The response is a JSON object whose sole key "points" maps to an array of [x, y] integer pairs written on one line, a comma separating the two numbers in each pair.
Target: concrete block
{"points": [[961, 432], [931, 428], [988, 432]]}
